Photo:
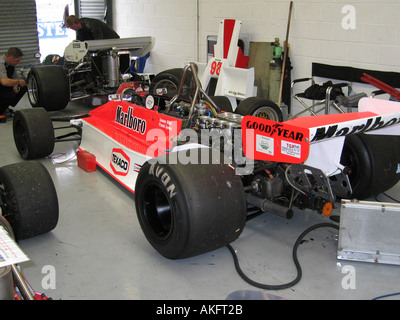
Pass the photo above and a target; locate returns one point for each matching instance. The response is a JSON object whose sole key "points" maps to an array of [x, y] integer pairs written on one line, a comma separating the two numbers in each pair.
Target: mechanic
{"points": [[90, 29], [12, 89]]}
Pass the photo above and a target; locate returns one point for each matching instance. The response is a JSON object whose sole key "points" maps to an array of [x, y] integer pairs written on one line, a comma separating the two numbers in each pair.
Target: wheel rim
{"points": [[158, 211], [6, 204], [21, 138], [32, 90], [266, 113], [350, 159]]}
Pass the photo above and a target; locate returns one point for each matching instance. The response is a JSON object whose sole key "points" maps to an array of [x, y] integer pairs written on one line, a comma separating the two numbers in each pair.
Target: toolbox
{"points": [[86, 160], [369, 232]]}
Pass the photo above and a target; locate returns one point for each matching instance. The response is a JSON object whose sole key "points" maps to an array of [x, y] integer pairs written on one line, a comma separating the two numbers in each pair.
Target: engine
{"points": [[91, 70], [269, 186]]}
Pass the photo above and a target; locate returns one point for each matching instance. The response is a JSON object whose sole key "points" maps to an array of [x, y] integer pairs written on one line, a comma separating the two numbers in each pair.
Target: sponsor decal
{"points": [[129, 121], [361, 125], [276, 129], [149, 102], [291, 149], [167, 124], [268, 140], [237, 93], [119, 162], [164, 177], [265, 144]]}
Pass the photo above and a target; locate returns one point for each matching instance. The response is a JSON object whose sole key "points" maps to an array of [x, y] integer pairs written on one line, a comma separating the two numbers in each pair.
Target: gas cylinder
{"points": [[6, 284], [276, 49], [275, 71]]}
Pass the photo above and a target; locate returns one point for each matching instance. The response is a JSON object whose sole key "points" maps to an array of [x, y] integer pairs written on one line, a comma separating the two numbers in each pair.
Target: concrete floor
{"points": [[98, 250]]}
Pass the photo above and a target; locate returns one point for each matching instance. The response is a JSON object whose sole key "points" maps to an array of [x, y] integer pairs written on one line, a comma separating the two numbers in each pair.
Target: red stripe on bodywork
{"points": [[229, 25]]}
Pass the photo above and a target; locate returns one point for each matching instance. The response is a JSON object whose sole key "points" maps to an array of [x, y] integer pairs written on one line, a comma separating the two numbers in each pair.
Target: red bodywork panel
{"points": [[137, 128], [241, 60], [269, 140]]}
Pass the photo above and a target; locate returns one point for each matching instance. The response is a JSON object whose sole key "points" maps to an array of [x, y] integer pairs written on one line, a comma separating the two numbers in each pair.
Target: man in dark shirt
{"points": [[12, 89], [90, 29]]}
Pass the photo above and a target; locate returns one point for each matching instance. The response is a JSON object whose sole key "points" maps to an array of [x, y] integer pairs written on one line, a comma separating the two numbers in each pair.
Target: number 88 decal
{"points": [[216, 67]]}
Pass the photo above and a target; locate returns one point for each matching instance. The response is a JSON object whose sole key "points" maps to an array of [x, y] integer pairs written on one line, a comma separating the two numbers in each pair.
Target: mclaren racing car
{"points": [[198, 172]]}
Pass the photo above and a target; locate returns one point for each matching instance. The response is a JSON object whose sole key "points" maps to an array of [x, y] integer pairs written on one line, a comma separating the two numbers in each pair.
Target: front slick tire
{"points": [[33, 133], [189, 209], [28, 199]]}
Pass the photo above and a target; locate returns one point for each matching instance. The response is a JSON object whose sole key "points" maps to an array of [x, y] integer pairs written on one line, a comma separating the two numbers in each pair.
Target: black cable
{"points": [[385, 194], [387, 295], [391, 198], [295, 260]]}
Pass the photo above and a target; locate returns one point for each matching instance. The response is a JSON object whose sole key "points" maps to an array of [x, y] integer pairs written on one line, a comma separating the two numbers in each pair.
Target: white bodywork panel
{"points": [[107, 151], [236, 83]]}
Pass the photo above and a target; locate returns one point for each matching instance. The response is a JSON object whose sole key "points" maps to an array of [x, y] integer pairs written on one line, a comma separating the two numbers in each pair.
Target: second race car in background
{"points": [[88, 69]]}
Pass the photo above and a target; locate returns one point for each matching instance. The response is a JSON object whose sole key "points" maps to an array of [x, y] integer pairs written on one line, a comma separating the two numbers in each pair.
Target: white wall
{"points": [[316, 34], [171, 22]]}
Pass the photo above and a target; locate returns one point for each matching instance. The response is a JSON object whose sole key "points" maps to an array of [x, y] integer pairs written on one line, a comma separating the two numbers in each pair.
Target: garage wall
{"points": [[171, 22], [358, 33]]}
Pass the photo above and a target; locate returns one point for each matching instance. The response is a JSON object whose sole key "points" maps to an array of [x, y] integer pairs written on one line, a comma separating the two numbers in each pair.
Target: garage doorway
{"points": [[52, 37]]}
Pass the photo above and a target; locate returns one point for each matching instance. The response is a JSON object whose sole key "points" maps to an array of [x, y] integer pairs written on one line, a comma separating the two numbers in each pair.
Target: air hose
{"points": [[295, 260]]}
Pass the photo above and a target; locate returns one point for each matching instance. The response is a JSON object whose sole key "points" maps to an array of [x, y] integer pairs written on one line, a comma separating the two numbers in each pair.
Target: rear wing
{"points": [[137, 46], [290, 141]]}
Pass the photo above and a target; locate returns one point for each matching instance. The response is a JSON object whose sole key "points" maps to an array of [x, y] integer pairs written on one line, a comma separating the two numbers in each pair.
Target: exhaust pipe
{"points": [[266, 205]]}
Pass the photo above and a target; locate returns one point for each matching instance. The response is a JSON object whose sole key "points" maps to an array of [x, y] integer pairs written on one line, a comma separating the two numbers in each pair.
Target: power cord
{"points": [[385, 194], [387, 295], [295, 260]]}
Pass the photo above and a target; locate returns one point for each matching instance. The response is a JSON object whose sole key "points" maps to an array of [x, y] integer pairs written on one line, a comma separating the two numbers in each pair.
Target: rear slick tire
{"points": [[261, 108], [374, 161], [48, 87], [189, 209]]}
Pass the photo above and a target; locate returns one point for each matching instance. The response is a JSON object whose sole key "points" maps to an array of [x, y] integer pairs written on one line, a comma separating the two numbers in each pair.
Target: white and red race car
{"points": [[198, 172]]}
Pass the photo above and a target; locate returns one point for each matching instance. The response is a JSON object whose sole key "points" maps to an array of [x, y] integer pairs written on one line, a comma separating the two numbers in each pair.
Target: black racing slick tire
{"points": [[48, 87], [189, 209], [223, 103], [33, 133], [374, 162], [28, 199], [259, 107]]}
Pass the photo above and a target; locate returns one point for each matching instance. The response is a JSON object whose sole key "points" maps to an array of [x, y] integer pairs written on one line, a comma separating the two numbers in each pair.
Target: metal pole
{"points": [[285, 54]]}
